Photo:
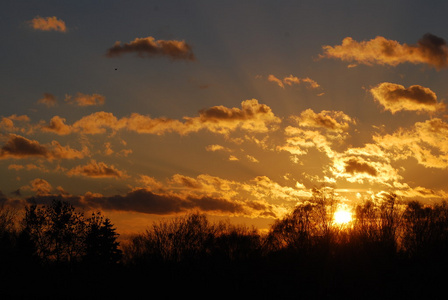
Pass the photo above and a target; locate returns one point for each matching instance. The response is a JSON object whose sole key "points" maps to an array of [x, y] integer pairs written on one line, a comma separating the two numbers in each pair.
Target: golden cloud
{"points": [[395, 97], [150, 47], [359, 169], [215, 147], [336, 121], [48, 24], [252, 117], [430, 49], [427, 142]]}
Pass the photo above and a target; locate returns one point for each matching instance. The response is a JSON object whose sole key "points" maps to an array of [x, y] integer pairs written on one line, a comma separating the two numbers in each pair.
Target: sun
{"points": [[342, 216]]}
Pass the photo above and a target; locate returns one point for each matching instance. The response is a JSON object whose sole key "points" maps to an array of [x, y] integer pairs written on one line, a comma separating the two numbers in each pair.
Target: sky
{"points": [[236, 109]]}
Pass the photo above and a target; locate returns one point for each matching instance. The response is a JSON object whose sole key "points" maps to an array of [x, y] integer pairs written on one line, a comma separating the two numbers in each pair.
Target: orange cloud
{"points": [[48, 24], [8, 123], [48, 99], [97, 170], [290, 80], [19, 147], [98, 123], [395, 97], [150, 47], [86, 100], [430, 49], [57, 125]]}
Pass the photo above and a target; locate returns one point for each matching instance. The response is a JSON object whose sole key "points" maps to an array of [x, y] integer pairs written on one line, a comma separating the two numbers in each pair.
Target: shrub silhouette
{"points": [[192, 238]]}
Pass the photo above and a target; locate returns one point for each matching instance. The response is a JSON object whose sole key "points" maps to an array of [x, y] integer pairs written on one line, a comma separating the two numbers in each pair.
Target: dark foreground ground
{"points": [[280, 277]]}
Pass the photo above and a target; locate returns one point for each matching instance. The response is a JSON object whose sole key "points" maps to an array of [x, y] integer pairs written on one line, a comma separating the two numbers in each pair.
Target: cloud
{"points": [[149, 47], [85, 100], [299, 140], [354, 165], [335, 121], [215, 147], [41, 187], [57, 125], [8, 123], [252, 117], [252, 159], [98, 122], [145, 124], [293, 80], [48, 99], [430, 49], [395, 97], [97, 170], [373, 169], [427, 142], [420, 192], [145, 201], [19, 147], [48, 24], [322, 129], [28, 167]]}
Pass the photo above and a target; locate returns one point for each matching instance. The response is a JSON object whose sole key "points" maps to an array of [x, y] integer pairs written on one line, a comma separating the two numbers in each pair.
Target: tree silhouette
{"points": [[60, 234], [101, 246]]}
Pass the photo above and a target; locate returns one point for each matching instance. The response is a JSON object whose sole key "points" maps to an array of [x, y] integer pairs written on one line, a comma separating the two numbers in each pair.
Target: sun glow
{"points": [[342, 216]]}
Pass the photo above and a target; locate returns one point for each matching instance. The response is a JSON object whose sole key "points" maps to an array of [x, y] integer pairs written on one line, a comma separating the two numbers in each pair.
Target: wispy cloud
{"points": [[430, 49], [48, 99], [86, 100], [293, 80], [96, 169], [150, 47], [48, 24]]}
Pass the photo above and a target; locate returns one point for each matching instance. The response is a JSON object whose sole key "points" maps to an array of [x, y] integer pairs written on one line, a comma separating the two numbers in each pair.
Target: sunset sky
{"points": [[237, 109]]}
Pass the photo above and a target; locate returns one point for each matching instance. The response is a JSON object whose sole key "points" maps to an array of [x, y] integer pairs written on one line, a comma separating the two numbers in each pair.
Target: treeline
{"points": [[390, 249]]}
